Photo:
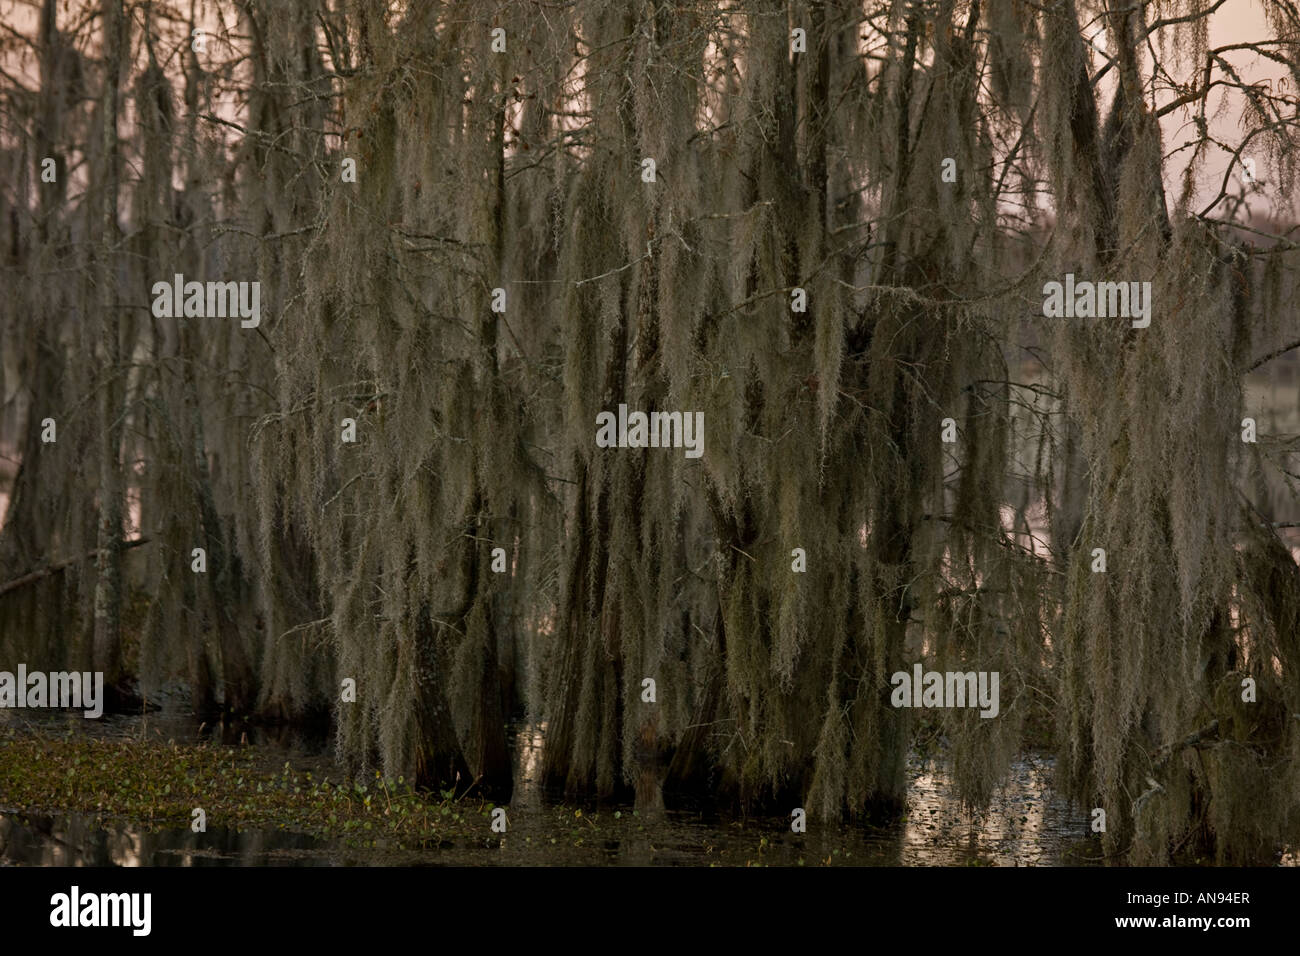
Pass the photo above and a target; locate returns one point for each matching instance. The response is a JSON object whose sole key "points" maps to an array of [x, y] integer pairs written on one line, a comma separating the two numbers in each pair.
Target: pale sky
{"points": [[1237, 21]]}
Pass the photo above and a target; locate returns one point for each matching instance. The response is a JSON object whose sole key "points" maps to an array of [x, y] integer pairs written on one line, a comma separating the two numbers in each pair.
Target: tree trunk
{"points": [[107, 646]]}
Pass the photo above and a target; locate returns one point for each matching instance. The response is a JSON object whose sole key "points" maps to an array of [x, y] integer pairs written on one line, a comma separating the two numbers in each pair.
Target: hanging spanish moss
{"points": [[676, 377]]}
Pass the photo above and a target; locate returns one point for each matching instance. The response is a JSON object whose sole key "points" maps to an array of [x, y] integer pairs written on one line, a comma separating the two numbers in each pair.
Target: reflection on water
{"points": [[1023, 826], [69, 840]]}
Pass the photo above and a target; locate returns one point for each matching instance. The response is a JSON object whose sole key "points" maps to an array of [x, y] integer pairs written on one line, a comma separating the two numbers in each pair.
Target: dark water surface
{"points": [[1025, 824]]}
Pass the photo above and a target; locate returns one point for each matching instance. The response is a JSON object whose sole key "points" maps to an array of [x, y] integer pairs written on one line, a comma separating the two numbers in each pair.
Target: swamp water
{"points": [[1024, 825]]}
